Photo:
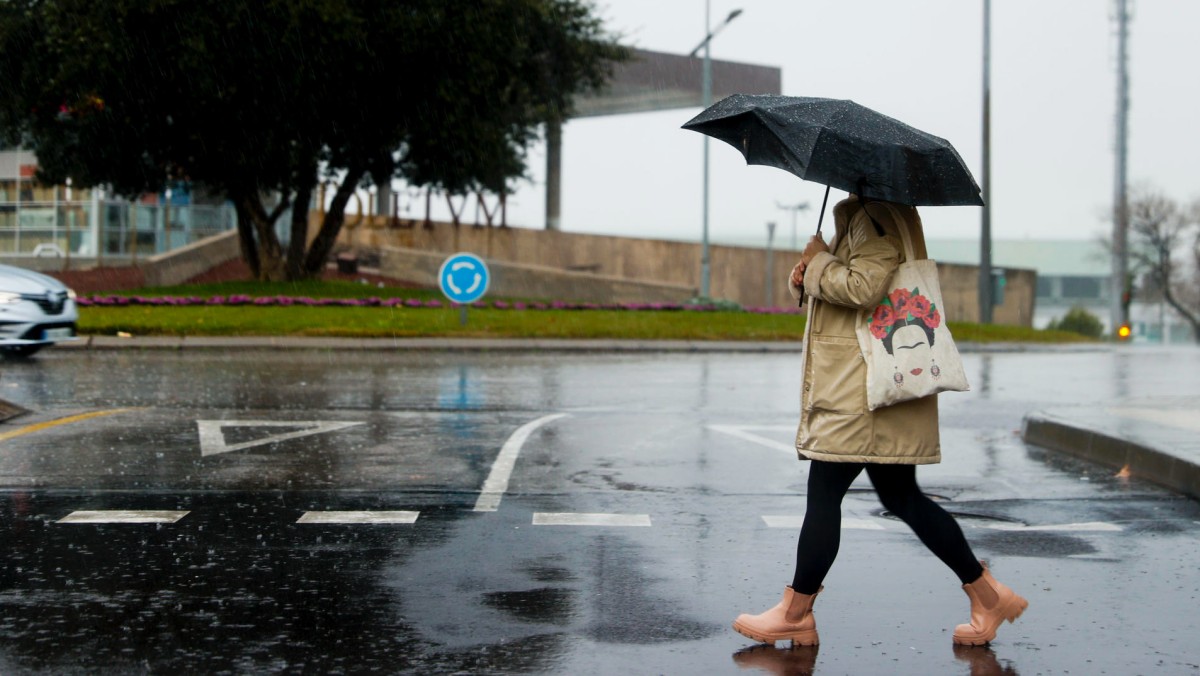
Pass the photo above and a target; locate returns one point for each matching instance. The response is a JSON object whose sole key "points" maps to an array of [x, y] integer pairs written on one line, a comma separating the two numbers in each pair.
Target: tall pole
{"points": [[770, 280], [553, 173], [705, 101], [1119, 312], [985, 220]]}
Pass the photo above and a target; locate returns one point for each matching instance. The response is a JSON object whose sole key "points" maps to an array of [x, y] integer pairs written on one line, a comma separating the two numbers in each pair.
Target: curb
{"points": [[1144, 462], [500, 344], [101, 343]]}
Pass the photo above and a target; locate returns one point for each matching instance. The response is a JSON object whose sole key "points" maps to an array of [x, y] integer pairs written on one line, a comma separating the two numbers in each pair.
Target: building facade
{"points": [[62, 221]]}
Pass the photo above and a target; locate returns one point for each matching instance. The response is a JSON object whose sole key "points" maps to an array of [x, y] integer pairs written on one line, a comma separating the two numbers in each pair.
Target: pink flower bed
{"points": [[304, 301]]}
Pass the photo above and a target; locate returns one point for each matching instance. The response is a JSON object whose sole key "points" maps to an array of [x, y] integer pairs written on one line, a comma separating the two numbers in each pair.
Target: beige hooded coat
{"points": [[835, 424]]}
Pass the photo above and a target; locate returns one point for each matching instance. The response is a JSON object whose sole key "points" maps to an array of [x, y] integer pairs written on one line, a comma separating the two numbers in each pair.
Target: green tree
{"points": [[254, 99]]}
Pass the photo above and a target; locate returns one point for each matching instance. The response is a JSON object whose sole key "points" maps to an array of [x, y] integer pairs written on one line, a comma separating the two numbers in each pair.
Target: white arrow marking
{"points": [[502, 468], [462, 264], [212, 435], [740, 432], [450, 283]]}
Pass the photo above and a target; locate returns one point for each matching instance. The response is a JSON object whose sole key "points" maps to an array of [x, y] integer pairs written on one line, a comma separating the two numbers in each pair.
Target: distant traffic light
{"points": [[1124, 332]]}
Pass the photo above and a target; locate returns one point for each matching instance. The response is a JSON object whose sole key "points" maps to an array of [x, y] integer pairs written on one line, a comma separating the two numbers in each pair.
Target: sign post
{"points": [[463, 279]]}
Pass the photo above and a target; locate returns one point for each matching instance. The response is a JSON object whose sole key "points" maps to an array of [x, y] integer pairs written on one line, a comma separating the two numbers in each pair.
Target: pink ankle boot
{"points": [[791, 619], [986, 618]]}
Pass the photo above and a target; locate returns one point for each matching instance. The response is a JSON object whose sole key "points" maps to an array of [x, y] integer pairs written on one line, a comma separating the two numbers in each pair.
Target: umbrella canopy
{"points": [[844, 145]]}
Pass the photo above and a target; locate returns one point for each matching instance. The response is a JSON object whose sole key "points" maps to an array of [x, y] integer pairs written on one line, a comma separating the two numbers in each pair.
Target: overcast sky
{"points": [[1053, 107]]}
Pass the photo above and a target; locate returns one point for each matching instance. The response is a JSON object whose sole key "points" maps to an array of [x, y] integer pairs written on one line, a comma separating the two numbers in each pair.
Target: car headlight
{"points": [[71, 294], [8, 297]]}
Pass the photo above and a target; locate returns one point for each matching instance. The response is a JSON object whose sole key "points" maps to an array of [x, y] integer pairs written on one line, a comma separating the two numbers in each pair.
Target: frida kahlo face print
{"points": [[904, 322]]}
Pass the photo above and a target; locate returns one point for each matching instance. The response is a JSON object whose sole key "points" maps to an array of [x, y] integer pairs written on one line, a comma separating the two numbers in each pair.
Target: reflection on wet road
{"points": [[312, 512]]}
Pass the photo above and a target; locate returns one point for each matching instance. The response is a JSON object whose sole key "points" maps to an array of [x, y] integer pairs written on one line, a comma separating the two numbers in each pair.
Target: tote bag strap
{"points": [[902, 226]]}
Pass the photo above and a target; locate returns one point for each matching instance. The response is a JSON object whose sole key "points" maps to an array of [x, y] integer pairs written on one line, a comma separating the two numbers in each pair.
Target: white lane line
{"points": [[795, 521], [125, 516], [1090, 526], [332, 516], [497, 481], [572, 519], [740, 432]]}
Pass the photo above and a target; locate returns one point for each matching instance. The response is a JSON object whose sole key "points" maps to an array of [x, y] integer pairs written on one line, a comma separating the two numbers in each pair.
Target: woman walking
{"points": [[843, 438]]}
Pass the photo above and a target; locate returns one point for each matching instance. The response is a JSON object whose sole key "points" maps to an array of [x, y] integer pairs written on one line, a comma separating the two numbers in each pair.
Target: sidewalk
{"points": [[1158, 441]]}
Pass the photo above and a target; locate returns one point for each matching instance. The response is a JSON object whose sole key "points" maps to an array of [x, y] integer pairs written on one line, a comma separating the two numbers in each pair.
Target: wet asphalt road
{"points": [[484, 464]]}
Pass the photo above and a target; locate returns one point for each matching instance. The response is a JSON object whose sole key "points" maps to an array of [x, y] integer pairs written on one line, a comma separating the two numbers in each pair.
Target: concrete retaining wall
{"points": [[165, 269], [534, 281], [737, 273], [180, 265]]}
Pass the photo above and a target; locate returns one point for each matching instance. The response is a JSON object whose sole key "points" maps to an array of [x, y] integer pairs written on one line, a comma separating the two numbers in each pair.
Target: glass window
{"points": [[73, 217], [8, 191], [8, 216], [1081, 287], [33, 218], [1045, 287]]}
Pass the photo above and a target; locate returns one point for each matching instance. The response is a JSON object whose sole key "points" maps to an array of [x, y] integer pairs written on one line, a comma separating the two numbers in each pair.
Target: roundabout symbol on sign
{"points": [[463, 278]]}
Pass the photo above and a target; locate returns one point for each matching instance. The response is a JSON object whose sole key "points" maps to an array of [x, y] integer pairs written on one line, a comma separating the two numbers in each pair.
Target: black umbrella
{"points": [[844, 145]]}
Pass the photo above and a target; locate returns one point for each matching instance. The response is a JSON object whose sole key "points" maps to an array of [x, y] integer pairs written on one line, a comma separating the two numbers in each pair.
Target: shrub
{"points": [[1079, 320]]}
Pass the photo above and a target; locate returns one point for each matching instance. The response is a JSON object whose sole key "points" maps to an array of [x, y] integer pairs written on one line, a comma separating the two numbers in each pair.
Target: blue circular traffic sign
{"points": [[463, 278]]}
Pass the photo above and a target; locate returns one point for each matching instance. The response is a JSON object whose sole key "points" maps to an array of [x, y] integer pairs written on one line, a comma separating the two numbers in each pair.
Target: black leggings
{"points": [[898, 491]]}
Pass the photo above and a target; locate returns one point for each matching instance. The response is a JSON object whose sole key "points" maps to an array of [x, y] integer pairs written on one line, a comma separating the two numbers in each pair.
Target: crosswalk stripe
{"points": [[125, 516], [572, 519], [332, 516]]}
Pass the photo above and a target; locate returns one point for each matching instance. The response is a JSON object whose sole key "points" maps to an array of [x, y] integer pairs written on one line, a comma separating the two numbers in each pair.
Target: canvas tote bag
{"points": [[904, 340]]}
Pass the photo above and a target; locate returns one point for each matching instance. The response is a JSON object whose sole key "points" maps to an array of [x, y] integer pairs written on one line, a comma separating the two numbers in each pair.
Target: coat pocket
{"points": [[838, 376]]}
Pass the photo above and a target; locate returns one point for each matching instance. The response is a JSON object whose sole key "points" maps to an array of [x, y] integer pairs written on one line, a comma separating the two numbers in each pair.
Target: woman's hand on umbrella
{"points": [[797, 278], [815, 246]]}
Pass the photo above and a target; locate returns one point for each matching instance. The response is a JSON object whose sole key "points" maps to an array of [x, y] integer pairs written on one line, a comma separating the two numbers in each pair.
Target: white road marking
{"points": [[358, 517], [740, 432], [502, 469], [1092, 526], [572, 519], [212, 435], [795, 521], [125, 516]]}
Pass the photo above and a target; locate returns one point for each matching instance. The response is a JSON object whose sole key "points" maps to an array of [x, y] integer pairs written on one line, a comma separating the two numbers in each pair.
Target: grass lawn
{"points": [[387, 322]]}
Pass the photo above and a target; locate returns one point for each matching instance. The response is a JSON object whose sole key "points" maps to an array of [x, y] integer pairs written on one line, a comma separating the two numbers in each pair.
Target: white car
{"points": [[36, 310]]}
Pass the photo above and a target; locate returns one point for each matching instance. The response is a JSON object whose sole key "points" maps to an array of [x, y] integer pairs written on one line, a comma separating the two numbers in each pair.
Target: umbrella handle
{"points": [[821, 218]]}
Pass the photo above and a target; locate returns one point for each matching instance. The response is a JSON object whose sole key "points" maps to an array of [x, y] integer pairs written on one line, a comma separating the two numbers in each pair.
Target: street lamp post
{"points": [[986, 299], [706, 101], [770, 286]]}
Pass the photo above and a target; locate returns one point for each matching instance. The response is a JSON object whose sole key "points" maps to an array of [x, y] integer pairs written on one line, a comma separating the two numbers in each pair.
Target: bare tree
{"points": [[1162, 233]]}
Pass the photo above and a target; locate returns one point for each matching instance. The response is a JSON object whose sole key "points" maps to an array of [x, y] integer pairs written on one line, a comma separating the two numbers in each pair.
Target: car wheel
{"points": [[20, 350]]}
